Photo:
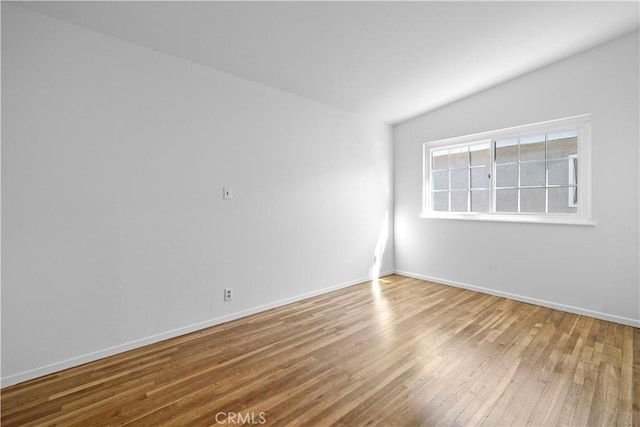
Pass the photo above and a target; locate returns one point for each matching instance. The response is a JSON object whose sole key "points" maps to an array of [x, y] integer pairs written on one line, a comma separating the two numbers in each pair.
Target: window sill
{"points": [[562, 220]]}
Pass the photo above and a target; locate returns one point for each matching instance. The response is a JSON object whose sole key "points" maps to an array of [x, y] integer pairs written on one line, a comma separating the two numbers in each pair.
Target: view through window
{"points": [[535, 170]]}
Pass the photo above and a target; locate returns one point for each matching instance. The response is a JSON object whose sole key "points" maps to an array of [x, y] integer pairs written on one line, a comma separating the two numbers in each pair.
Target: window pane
{"points": [[562, 144], [532, 174], [459, 201], [460, 179], [562, 199], [440, 180], [441, 201], [573, 170], [459, 157], [480, 201], [530, 170], [532, 200], [507, 200], [480, 155], [507, 150], [532, 147], [507, 176], [480, 177], [559, 172], [440, 160]]}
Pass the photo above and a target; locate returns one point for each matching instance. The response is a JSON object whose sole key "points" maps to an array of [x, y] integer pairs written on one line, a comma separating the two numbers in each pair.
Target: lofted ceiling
{"points": [[385, 60]]}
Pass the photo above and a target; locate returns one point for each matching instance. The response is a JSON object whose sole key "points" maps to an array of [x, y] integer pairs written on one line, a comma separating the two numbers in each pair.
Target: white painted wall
{"points": [[115, 233], [592, 270]]}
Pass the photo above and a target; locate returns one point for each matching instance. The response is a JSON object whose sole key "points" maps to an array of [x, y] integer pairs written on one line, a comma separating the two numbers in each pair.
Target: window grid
{"points": [[468, 167], [493, 165], [547, 185]]}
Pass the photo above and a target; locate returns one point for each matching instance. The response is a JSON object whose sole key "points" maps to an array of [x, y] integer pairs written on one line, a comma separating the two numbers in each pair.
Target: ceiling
{"points": [[389, 61]]}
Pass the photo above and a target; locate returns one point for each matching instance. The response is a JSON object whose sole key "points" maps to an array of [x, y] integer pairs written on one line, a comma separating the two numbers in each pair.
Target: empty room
{"points": [[421, 213]]}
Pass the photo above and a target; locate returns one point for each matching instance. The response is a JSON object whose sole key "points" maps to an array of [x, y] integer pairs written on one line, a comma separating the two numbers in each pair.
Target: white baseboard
{"points": [[100, 354], [549, 304]]}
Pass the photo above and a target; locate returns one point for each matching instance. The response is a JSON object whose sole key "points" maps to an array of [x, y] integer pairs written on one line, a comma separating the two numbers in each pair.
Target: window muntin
{"points": [[460, 178], [538, 168], [535, 171]]}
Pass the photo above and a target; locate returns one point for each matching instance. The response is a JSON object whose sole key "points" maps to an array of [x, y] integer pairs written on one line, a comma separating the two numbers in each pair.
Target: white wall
{"points": [[115, 233], [591, 270]]}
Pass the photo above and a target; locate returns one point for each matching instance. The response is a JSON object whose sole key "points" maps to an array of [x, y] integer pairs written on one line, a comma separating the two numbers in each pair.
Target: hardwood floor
{"points": [[397, 352]]}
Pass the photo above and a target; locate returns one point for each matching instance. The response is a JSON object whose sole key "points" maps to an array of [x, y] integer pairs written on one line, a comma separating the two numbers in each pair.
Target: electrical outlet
{"points": [[228, 294], [227, 194]]}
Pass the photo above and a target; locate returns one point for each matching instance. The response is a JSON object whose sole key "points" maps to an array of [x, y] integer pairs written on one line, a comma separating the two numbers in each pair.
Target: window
{"points": [[534, 173]]}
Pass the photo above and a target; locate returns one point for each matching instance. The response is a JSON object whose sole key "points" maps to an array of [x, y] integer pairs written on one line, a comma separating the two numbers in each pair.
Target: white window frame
{"points": [[580, 123]]}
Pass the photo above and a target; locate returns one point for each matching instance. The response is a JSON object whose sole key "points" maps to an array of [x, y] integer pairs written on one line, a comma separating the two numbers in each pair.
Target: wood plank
{"points": [[399, 351]]}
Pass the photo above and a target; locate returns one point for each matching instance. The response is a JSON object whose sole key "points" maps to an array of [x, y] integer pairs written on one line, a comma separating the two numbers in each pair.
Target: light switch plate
{"points": [[227, 194]]}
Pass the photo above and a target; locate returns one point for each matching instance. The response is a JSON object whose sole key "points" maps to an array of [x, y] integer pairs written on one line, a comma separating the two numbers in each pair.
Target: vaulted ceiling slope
{"points": [[386, 60]]}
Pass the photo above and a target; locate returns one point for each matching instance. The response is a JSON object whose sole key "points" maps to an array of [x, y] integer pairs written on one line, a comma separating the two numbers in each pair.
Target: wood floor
{"points": [[396, 352]]}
